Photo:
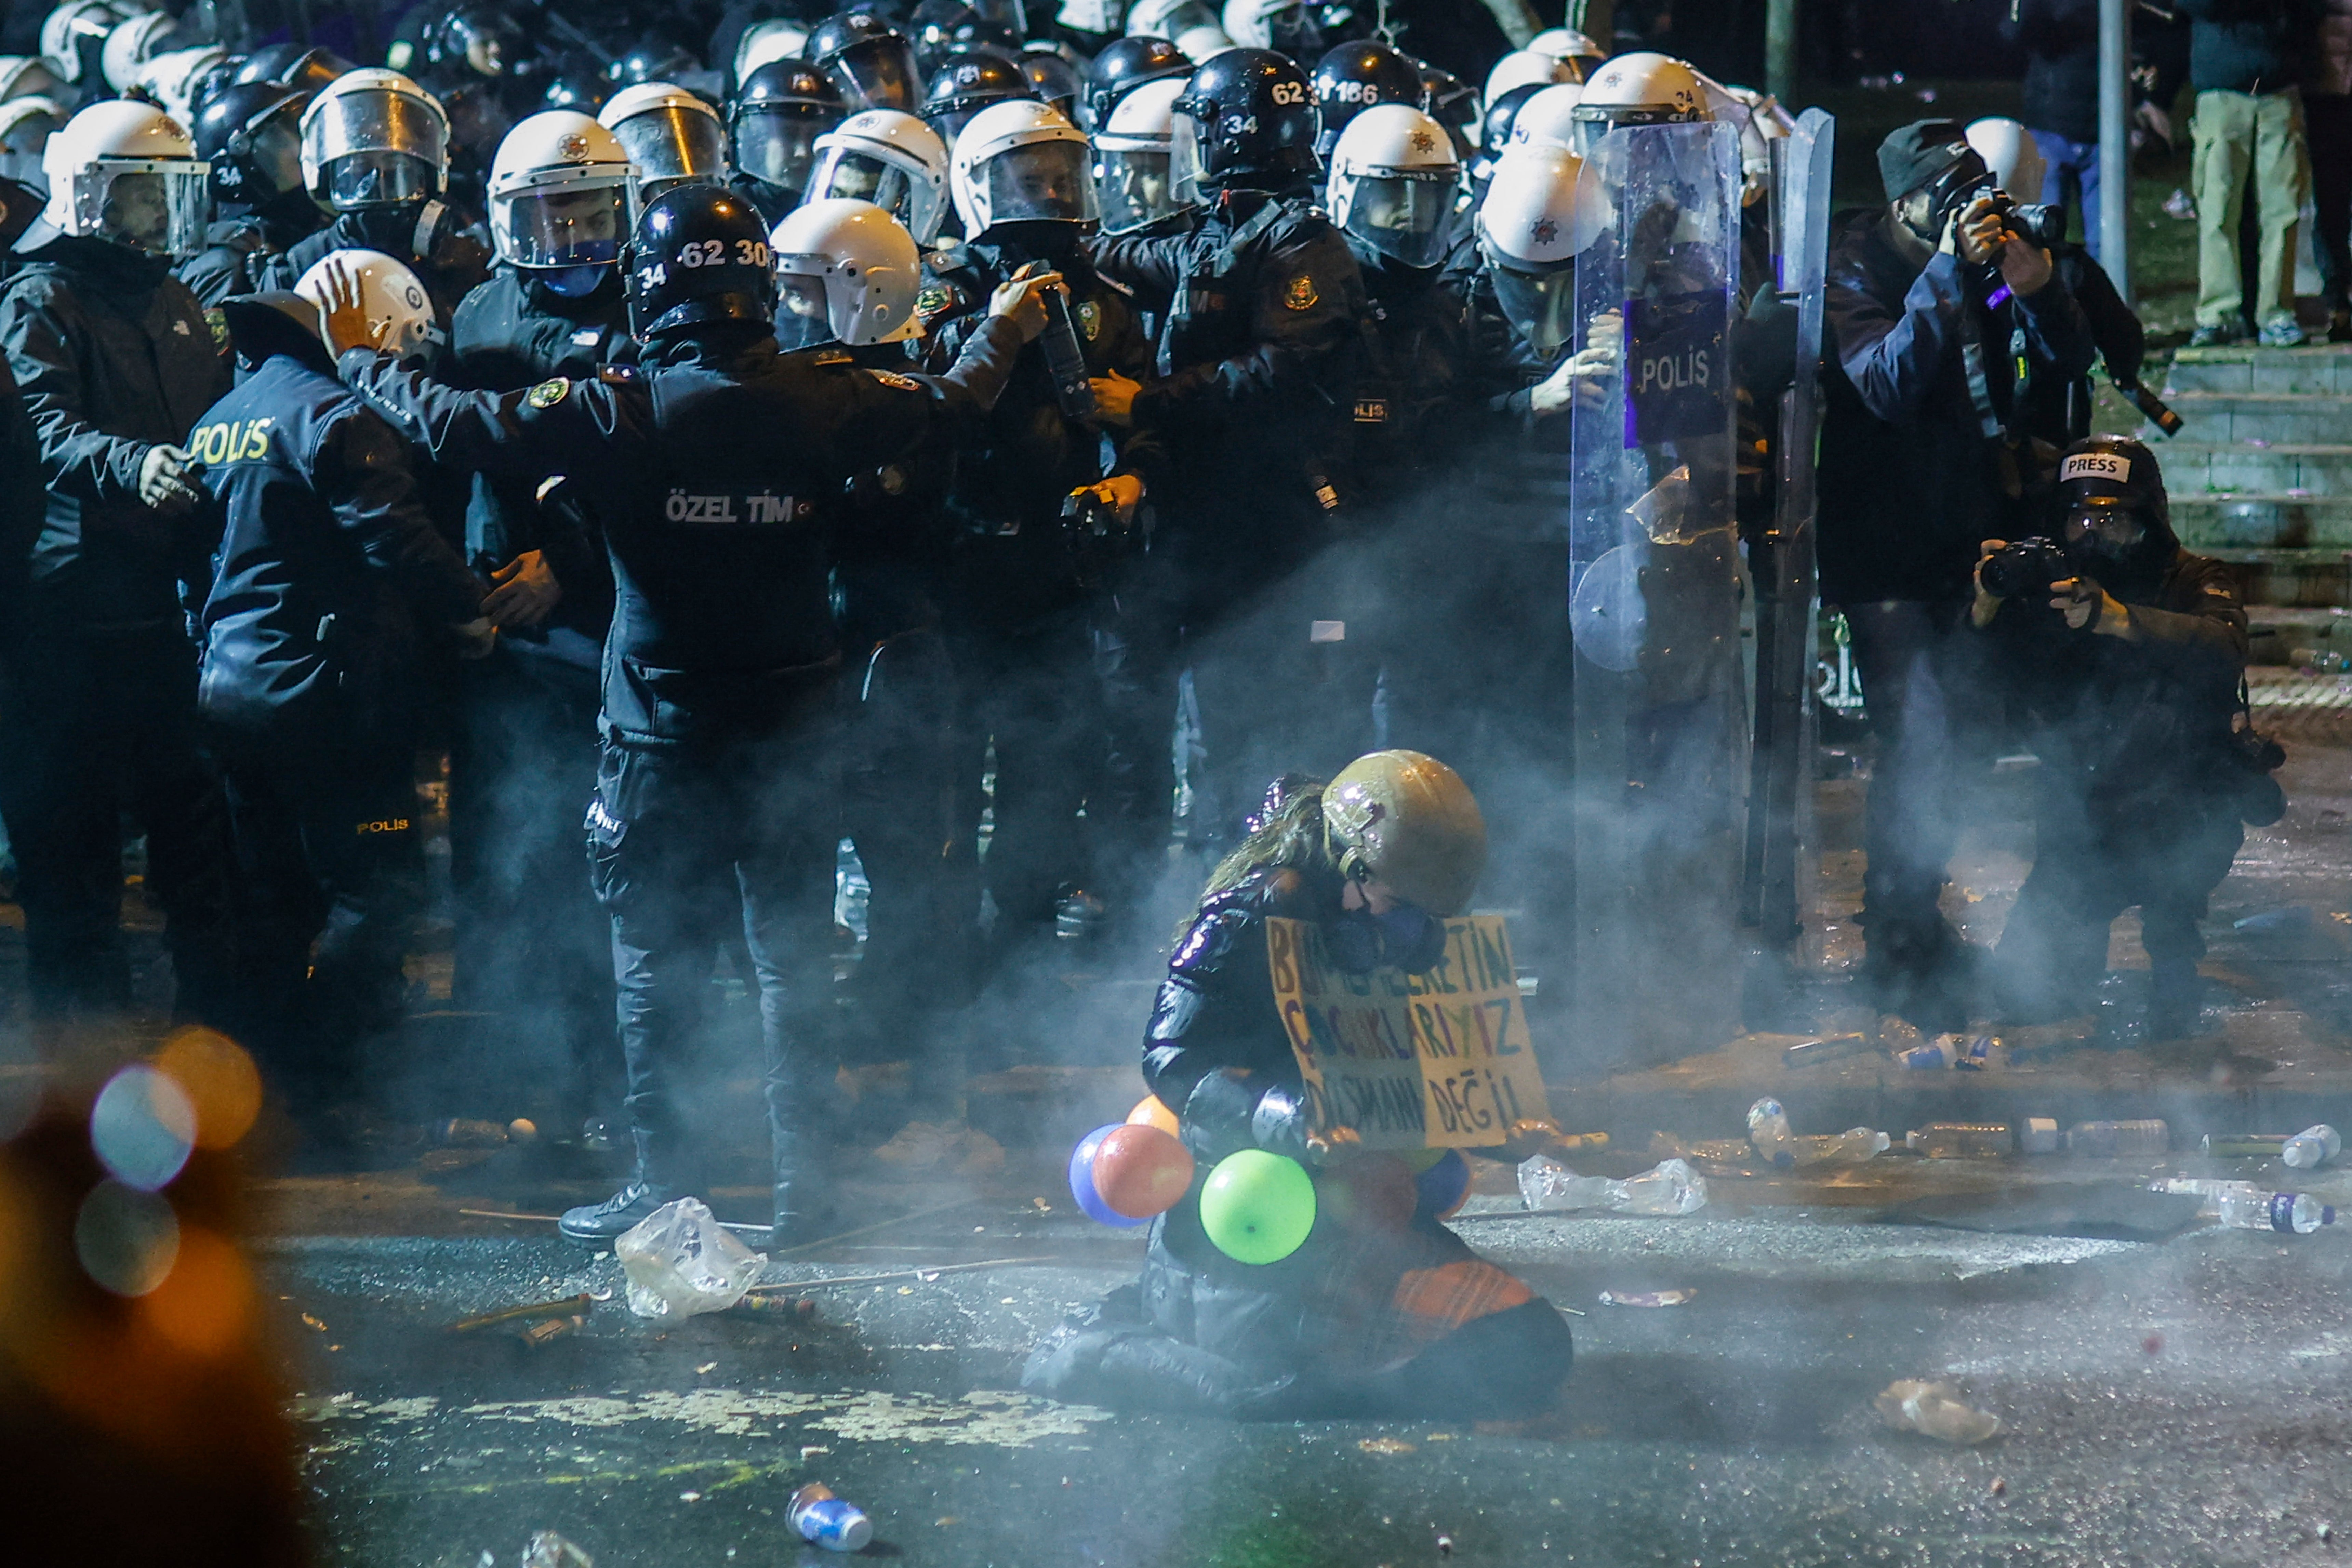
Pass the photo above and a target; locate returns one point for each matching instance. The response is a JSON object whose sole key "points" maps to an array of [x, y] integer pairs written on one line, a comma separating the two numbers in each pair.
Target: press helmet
{"points": [[847, 272], [1406, 819], [2116, 472], [698, 255], [1248, 115], [891, 158]]}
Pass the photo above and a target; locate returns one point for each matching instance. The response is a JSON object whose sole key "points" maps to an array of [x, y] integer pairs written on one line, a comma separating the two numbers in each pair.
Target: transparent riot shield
{"points": [[1781, 567], [1654, 602]]}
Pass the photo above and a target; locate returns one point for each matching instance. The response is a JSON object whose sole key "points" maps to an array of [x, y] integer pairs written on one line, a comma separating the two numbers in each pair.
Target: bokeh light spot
{"points": [[219, 1079], [127, 1239], [143, 1128], [205, 1305]]}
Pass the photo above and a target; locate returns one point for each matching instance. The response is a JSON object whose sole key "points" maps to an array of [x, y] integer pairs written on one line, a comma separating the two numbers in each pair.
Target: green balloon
{"points": [[1257, 1207]]}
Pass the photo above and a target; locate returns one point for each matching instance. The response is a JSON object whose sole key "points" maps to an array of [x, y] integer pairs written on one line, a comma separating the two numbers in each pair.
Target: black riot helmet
{"points": [[576, 88], [945, 27], [1127, 63], [700, 254], [966, 83], [653, 57], [775, 117], [1250, 118], [475, 40], [294, 65], [1453, 103], [870, 59], [1495, 133], [1351, 78], [1056, 81], [251, 135]]}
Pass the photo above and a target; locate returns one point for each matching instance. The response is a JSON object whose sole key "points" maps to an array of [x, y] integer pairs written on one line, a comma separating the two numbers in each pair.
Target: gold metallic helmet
{"points": [[1409, 820]]}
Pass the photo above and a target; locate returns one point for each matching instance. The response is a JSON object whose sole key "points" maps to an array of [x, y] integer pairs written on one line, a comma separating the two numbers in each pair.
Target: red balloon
{"points": [[1140, 1171], [1369, 1193]]}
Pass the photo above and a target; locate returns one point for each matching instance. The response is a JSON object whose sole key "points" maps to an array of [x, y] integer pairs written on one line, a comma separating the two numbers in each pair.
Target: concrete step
{"points": [[2301, 579], [2326, 370], [2308, 417], [2209, 470], [2260, 520]]}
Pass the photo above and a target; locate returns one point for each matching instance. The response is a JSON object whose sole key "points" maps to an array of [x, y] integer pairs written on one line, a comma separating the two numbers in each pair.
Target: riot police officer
{"points": [[1034, 608], [966, 83], [375, 153], [714, 470], [1262, 307], [672, 136], [1126, 65], [328, 578], [1351, 78], [250, 136], [773, 123], [871, 59], [115, 362], [891, 158], [523, 753]]}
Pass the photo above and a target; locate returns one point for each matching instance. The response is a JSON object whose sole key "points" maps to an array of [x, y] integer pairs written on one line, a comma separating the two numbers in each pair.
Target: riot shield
{"points": [[1781, 567], [1653, 600]]}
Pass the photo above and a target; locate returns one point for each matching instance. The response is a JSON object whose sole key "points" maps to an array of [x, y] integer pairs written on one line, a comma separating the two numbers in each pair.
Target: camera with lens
{"points": [[2025, 569], [2038, 224]]}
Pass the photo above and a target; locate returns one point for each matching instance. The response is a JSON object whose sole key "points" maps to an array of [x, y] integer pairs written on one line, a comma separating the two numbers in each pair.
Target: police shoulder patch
{"points": [[1089, 314], [217, 322], [935, 299], [1300, 295], [549, 393], [892, 378], [832, 357]]}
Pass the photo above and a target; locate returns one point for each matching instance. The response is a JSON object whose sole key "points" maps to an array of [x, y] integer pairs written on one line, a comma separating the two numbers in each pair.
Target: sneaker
{"points": [[2216, 336], [2282, 335], [616, 1216]]}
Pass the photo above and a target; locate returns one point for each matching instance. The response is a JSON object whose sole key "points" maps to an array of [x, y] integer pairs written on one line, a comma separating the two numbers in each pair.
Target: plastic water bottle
{"points": [[2312, 1148], [1546, 1183], [2248, 1205], [1962, 1140], [1671, 1188], [823, 1519], [1768, 1130], [2119, 1140], [1853, 1145]]}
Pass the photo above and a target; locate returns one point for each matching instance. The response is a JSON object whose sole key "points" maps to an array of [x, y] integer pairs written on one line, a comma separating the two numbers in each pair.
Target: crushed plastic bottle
{"points": [[824, 1520], [1850, 1147], [548, 1550], [2327, 661], [1935, 1410], [1671, 1188], [1962, 1140], [2249, 1205], [1768, 1130], [681, 1261], [2312, 1148], [2119, 1140], [1965, 1053]]}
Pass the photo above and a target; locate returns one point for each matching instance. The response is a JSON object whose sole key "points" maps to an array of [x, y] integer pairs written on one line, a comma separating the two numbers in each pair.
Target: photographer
{"points": [[2129, 651], [1936, 308]]}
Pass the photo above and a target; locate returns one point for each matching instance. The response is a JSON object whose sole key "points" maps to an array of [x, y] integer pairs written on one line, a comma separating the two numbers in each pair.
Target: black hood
{"points": [[118, 270]]}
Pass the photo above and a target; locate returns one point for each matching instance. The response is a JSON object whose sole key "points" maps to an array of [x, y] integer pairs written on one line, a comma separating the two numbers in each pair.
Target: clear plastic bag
{"points": [[681, 1261]]}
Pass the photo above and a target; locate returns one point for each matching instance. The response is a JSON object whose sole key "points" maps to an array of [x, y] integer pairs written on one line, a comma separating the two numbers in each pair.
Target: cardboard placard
{"points": [[1436, 1061]]}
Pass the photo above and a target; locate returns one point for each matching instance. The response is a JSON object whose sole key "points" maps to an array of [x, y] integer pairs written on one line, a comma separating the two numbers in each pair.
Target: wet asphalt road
{"points": [[2185, 1402]]}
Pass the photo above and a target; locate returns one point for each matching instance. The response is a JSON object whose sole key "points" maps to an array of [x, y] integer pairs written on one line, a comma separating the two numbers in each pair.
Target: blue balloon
{"points": [[1082, 1181], [1443, 1186]]}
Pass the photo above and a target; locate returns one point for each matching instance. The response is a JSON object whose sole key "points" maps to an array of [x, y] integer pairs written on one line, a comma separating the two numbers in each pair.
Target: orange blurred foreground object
{"points": [[219, 1079], [1152, 1111], [1140, 1171]]}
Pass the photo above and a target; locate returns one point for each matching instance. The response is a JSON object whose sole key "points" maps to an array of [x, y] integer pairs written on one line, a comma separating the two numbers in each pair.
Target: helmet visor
{"points": [[672, 145], [575, 225], [1185, 168], [1134, 189], [862, 176], [1043, 180], [154, 205], [876, 74], [380, 179], [778, 148], [392, 123], [273, 151], [1540, 307], [804, 310], [1408, 217]]}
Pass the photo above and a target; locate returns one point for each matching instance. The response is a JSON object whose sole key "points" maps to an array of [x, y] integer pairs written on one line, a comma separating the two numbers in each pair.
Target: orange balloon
{"points": [[1369, 1193], [1140, 1171], [1152, 1111]]}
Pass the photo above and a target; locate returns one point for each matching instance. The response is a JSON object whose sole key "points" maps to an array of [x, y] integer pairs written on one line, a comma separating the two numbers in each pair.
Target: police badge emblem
{"points": [[1301, 294], [548, 394], [1089, 314]]}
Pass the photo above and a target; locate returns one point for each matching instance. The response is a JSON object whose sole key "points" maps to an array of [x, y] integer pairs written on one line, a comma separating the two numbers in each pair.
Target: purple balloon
{"points": [[1442, 1185], [1082, 1181]]}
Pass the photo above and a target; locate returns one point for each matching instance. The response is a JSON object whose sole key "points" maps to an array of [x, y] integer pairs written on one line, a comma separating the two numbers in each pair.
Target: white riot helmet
{"points": [[25, 76], [1543, 206], [399, 312], [1167, 18], [73, 36], [1570, 47], [779, 39], [1391, 185], [25, 126], [1096, 17], [561, 199], [172, 80], [672, 137], [1134, 182], [847, 272], [1643, 89], [133, 45], [127, 171], [2009, 151], [1288, 26], [1021, 162], [1549, 116], [1751, 113], [374, 138], [1202, 45], [1525, 67], [890, 158]]}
